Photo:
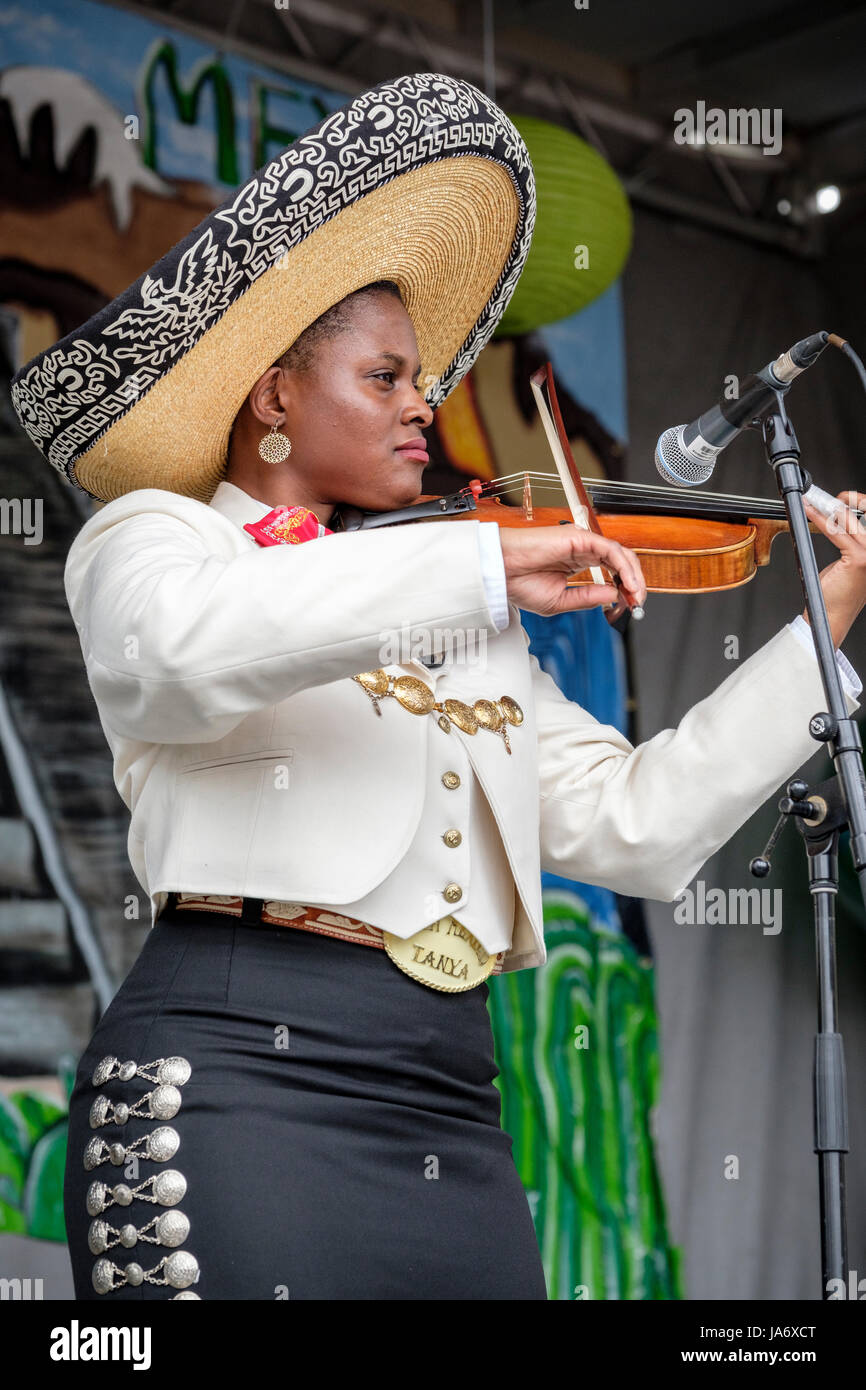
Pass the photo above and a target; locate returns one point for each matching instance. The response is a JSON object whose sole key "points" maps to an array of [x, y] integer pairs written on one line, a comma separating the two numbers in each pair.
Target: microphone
{"points": [[686, 454]]}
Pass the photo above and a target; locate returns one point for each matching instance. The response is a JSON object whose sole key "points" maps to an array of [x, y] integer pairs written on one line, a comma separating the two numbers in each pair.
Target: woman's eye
{"points": [[388, 374]]}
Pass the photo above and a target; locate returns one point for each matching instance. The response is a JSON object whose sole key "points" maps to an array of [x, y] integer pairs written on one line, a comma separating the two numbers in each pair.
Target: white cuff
{"points": [[850, 680], [493, 573]]}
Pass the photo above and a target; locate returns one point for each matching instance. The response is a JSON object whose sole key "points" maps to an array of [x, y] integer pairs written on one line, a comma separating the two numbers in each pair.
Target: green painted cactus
{"points": [[577, 1050], [33, 1132]]}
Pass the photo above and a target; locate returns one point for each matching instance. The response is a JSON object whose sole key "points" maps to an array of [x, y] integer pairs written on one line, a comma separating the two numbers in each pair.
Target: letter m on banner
{"points": [[162, 56]]}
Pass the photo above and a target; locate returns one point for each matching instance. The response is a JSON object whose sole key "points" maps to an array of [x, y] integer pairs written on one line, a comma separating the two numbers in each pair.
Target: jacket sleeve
{"points": [[643, 820], [180, 644]]}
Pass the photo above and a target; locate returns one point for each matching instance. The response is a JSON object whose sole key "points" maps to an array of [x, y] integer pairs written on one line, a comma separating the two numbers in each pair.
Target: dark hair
{"points": [[300, 356]]}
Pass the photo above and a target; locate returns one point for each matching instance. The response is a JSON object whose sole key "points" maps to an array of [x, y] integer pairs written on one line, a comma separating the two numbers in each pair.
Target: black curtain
{"points": [[737, 1007]]}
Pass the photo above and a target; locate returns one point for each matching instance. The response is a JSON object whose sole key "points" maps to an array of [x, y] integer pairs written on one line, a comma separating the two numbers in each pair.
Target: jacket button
{"points": [[452, 893], [452, 838], [450, 780]]}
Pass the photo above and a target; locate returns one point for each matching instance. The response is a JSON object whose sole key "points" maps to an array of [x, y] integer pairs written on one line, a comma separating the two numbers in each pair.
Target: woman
{"points": [[344, 1141], [267, 1110]]}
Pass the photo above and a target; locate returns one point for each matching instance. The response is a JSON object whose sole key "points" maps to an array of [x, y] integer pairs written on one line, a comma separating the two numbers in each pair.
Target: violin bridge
{"points": [[527, 498]]}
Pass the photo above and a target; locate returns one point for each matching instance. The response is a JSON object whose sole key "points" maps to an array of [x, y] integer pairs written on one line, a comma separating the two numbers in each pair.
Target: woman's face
{"points": [[349, 414]]}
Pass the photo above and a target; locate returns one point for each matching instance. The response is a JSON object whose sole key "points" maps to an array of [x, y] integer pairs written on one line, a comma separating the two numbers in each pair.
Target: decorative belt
{"points": [[443, 955]]}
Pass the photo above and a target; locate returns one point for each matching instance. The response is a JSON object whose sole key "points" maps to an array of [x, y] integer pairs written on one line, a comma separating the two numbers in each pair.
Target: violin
{"points": [[687, 542]]}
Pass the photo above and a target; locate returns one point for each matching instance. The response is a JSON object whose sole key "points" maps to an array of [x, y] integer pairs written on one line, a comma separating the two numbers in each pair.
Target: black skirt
{"points": [[333, 1131]]}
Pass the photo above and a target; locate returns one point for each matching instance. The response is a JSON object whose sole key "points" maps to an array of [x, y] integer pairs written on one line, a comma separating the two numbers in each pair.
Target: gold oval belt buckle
{"points": [[444, 956]]}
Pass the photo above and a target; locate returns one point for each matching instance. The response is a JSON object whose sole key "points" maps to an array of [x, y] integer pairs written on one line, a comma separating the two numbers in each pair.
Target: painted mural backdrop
{"points": [[116, 137]]}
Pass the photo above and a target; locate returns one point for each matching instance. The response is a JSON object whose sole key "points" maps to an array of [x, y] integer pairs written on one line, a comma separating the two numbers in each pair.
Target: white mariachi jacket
{"points": [[253, 764]]}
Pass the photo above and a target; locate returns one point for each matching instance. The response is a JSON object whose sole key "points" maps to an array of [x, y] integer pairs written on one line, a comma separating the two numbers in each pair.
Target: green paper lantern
{"points": [[583, 229]]}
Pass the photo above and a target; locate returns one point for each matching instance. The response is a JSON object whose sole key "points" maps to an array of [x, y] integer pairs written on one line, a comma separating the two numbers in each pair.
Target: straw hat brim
{"points": [[146, 393], [441, 233]]}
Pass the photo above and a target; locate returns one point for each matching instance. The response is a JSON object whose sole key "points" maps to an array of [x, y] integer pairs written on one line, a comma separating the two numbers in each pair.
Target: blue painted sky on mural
{"points": [[588, 355], [586, 349]]}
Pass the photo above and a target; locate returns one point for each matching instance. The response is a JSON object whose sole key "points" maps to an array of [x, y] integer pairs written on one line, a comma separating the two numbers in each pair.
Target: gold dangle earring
{"points": [[276, 446]]}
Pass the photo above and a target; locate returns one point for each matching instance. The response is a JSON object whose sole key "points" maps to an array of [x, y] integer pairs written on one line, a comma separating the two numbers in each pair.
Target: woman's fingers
{"points": [[538, 562], [590, 548], [576, 596]]}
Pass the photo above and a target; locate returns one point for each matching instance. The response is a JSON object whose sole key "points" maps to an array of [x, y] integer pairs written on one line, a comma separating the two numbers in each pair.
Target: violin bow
{"points": [[580, 505]]}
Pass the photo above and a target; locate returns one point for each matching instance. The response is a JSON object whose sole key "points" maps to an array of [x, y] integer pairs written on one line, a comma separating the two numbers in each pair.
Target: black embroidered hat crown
{"points": [[422, 180]]}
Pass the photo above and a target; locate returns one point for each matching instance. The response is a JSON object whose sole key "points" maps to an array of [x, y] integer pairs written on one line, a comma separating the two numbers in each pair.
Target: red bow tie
{"points": [[286, 526]]}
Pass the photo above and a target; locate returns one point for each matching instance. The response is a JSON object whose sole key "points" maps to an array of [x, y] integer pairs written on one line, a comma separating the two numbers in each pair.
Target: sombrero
{"points": [[422, 180]]}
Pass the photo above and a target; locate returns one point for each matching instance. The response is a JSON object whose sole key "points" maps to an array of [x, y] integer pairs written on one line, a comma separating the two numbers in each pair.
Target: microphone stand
{"points": [[843, 801]]}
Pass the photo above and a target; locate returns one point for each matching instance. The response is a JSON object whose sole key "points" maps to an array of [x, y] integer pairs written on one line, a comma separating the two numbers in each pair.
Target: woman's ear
{"points": [[266, 397]]}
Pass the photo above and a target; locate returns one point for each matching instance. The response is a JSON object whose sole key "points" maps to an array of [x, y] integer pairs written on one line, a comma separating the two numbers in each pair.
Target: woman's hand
{"points": [[844, 581], [539, 559]]}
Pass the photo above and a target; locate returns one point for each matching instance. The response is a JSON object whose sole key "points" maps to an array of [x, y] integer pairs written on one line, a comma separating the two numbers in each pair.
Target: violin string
{"points": [[604, 492], [635, 492], [615, 485]]}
